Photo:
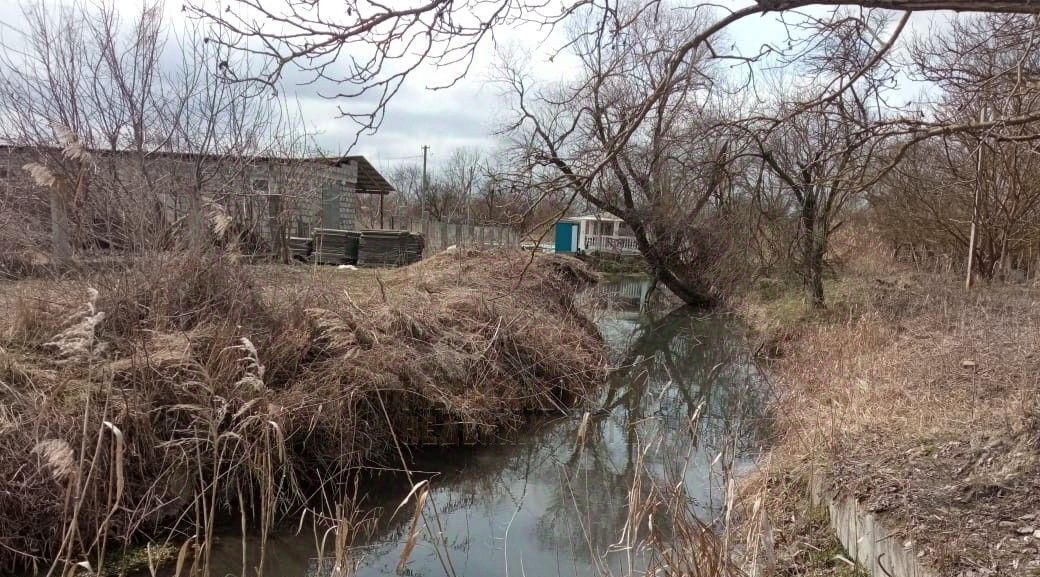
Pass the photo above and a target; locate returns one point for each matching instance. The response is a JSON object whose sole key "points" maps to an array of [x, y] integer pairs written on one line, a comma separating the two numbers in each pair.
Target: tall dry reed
{"points": [[190, 386]]}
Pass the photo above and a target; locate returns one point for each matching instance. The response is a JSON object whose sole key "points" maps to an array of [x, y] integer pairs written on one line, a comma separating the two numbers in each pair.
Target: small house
{"points": [[595, 233]]}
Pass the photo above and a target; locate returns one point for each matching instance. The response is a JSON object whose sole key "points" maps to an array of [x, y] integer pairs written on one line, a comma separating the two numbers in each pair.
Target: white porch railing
{"points": [[611, 244]]}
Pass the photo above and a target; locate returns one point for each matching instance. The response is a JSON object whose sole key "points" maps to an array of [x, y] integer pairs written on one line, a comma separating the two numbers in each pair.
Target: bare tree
{"points": [[817, 160], [661, 184], [824, 154], [68, 80], [982, 67], [170, 142]]}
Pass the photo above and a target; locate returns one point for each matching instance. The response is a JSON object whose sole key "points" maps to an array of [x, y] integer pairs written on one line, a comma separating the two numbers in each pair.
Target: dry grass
{"points": [[919, 399], [206, 382]]}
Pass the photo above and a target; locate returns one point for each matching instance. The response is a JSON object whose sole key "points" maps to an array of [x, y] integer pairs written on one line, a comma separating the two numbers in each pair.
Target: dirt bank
{"points": [[148, 400], [918, 399]]}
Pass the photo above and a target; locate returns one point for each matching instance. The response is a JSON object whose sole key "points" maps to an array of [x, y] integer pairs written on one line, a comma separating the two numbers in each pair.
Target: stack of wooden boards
{"points": [[299, 247], [332, 246], [389, 248], [365, 248]]}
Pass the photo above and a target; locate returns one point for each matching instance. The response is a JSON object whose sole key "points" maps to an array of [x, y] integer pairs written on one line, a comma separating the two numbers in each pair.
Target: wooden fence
{"points": [[441, 235]]}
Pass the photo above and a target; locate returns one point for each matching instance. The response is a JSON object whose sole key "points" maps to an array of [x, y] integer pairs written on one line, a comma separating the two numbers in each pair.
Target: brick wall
{"points": [[342, 181]]}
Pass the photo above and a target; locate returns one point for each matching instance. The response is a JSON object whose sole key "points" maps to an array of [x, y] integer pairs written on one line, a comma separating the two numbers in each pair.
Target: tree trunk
{"points": [[814, 245], [814, 280], [689, 295], [664, 270]]}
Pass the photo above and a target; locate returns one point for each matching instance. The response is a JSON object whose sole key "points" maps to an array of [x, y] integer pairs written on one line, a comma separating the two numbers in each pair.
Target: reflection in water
{"points": [[629, 292], [555, 502]]}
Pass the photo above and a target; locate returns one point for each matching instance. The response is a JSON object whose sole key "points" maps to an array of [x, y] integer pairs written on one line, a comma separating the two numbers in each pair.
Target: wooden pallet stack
{"points": [[332, 246], [299, 247], [389, 248]]}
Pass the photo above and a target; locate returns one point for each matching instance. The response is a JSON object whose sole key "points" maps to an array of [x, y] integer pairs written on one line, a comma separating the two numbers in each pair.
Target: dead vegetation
{"points": [[153, 399], [919, 399]]}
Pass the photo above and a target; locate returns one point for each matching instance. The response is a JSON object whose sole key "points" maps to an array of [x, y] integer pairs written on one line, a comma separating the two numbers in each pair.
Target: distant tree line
{"points": [[470, 186]]}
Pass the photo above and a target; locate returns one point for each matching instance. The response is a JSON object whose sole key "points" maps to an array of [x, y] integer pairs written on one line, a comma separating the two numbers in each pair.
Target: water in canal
{"points": [[554, 501]]}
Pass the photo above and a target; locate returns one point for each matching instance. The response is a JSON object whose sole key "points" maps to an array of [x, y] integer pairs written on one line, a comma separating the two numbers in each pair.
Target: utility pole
{"points": [[422, 201], [975, 207]]}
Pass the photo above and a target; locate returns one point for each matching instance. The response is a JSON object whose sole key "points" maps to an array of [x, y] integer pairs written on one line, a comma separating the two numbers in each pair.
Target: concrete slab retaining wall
{"points": [[881, 550]]}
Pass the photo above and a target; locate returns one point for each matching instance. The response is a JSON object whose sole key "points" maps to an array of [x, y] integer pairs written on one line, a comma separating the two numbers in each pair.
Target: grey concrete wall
{"points": [[130, 186], [441, 235], [342, 183], [881, 549]]}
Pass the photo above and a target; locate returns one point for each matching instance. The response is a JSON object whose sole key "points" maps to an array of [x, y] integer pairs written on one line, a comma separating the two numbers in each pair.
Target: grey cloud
{"points": [[464, 115]]}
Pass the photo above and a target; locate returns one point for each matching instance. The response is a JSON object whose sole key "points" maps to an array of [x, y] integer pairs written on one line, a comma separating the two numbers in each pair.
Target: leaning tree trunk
{"points": [[683, 289], [668, 271]]}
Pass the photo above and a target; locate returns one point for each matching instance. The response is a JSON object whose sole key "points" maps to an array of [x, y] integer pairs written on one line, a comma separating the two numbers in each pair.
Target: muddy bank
{"points": [[185, 387]]}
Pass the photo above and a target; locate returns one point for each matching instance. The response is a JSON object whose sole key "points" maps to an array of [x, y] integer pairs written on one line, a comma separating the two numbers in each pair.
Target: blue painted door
{"points": [[566, 237]]}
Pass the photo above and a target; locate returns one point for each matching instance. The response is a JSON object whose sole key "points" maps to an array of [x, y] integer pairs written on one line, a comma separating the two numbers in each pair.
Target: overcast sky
{"points": [[468, 113], [464, 115]]}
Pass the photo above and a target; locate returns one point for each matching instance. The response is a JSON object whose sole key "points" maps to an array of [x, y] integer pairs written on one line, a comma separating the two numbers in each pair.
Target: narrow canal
{"points": [[681, 409]]}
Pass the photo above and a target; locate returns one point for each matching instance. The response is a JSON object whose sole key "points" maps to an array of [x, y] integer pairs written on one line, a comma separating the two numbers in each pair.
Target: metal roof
{"points": [[369, 180]]}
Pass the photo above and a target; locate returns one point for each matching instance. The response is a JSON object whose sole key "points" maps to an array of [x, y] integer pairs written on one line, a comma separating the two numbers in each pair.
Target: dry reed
{"points": [[915, 397], [223, 386]]}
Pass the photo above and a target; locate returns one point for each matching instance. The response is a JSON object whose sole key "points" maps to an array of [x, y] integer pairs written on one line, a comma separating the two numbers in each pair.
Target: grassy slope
{"points": [[879, 392]]}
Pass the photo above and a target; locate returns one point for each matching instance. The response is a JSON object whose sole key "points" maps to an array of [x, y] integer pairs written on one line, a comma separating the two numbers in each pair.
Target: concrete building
{"points": [[123, 199]]}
